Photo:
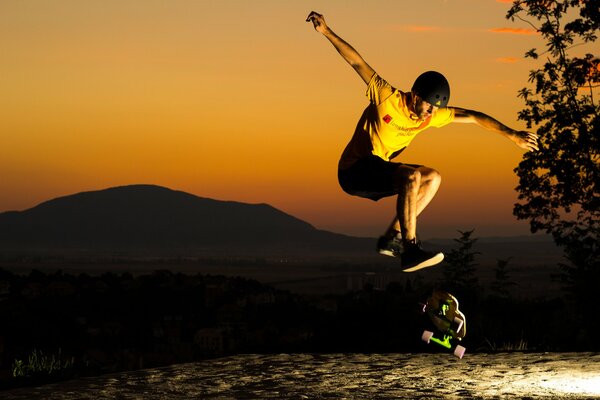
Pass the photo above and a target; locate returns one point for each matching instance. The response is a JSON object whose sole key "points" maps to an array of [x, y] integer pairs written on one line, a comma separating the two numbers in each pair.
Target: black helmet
{"points": [[432, 87]]}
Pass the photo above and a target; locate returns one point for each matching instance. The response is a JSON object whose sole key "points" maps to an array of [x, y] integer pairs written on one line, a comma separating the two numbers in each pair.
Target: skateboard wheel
{"points": [[459, 351], [427, 335]]}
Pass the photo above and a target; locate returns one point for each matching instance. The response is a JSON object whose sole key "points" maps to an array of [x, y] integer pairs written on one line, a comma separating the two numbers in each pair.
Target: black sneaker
{"points": [[414, 257], [389, 246]]}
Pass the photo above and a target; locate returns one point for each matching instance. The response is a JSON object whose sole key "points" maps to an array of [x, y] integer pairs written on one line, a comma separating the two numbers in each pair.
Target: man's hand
{"points": [[346, 51], [318, 21], [526, 140]]}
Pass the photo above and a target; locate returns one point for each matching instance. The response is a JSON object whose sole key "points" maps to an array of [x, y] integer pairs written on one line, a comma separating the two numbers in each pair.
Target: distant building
{"points": [[210, 341], [327, 304], [32, 290], [60, 289], [369, 279], [4, 290]]}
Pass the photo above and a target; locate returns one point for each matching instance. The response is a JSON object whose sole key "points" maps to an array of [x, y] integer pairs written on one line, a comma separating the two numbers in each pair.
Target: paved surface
{"points": [[346, 376]]}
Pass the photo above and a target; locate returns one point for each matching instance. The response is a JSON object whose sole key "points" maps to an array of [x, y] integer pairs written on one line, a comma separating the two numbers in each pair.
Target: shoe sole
{"points": [[388, 253], [427, 263]]}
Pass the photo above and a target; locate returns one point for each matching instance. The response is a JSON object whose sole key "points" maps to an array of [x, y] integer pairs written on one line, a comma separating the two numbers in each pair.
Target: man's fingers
{"points": [[315, 18], [533, 140], [532, 145], [528, 141], [312, 16]]}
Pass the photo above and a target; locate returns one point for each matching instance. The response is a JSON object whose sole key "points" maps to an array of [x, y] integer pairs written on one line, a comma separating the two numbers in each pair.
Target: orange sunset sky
{"points": [[243, 100]]}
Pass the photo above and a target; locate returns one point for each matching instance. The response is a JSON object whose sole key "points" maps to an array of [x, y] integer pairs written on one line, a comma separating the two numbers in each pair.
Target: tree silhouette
{"points": [[501, 285], [459, 273], [558, 185]]}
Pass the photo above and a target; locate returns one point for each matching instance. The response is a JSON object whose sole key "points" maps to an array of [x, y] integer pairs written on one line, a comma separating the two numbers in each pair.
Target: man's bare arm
{"points": [[525, 140], [346, 51]]}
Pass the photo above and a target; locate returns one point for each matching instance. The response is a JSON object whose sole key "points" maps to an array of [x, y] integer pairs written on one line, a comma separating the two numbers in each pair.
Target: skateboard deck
{"points": [[448, 325]]}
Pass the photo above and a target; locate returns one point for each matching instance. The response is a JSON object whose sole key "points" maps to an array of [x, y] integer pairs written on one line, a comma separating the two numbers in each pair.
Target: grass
{"points": [[521, 345], [39, 365]]}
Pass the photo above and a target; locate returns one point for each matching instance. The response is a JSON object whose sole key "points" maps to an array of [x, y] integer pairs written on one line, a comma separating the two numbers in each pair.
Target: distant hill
{"points": [[153, 219], [148, 220]]}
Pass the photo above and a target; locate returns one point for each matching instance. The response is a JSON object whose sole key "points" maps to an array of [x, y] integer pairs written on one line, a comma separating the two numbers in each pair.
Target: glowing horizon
{"points": [[246, 102]]}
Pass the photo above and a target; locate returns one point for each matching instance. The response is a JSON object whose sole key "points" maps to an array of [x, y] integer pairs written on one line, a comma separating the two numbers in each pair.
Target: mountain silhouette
{"points": [[156, 219]]}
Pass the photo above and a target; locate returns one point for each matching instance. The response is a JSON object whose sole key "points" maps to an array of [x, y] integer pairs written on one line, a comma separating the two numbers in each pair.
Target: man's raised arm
{"points": [[347, 52], [525, 140]]}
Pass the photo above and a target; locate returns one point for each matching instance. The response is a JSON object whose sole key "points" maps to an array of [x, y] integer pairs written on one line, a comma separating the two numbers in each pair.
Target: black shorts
{"points": [[370, 177]]}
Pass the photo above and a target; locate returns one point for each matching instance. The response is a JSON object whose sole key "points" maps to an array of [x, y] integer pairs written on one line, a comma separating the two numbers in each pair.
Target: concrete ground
{"points": [[346, 376]]}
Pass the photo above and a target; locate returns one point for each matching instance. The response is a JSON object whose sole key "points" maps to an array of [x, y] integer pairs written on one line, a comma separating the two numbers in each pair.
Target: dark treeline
{"points": [[112, 322]]}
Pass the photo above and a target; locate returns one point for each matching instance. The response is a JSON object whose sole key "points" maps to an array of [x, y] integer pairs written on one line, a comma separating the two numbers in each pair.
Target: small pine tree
{"points": [[501, 285], [459, 273]]}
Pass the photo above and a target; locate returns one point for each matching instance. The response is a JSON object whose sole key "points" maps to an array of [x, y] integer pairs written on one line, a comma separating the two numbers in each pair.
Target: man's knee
{"points": [[431, 176], [408, 177], [435, 177]]}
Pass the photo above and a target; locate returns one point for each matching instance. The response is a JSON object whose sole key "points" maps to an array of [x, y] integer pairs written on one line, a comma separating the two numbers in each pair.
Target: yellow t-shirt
{"points": [[386, 126]]}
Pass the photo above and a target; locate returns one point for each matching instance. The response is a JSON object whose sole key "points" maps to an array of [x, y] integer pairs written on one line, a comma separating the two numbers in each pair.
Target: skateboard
{"points": [[448, 324]]}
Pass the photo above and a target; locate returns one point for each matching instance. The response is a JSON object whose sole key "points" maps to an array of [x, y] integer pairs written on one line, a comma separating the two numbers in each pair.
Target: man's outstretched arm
{"points": [[346, 51], [525, 140]]}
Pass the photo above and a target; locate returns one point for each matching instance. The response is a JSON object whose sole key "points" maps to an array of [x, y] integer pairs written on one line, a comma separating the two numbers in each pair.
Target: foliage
{"points": [[519, 345], [502, 283], [40, 365], [558, 185], [459, 274]]}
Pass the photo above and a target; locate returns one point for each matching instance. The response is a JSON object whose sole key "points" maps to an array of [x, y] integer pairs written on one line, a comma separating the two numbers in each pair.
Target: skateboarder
{"points": [[387, 126]]}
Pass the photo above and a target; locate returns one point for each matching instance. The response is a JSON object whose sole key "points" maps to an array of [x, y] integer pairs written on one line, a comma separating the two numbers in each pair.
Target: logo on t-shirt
{"points": [[387, 118]]}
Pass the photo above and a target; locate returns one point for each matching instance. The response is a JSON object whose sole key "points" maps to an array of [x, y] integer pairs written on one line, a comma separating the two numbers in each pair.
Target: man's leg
{"points": [[408, 180], [416, 187], [429, 184]]}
